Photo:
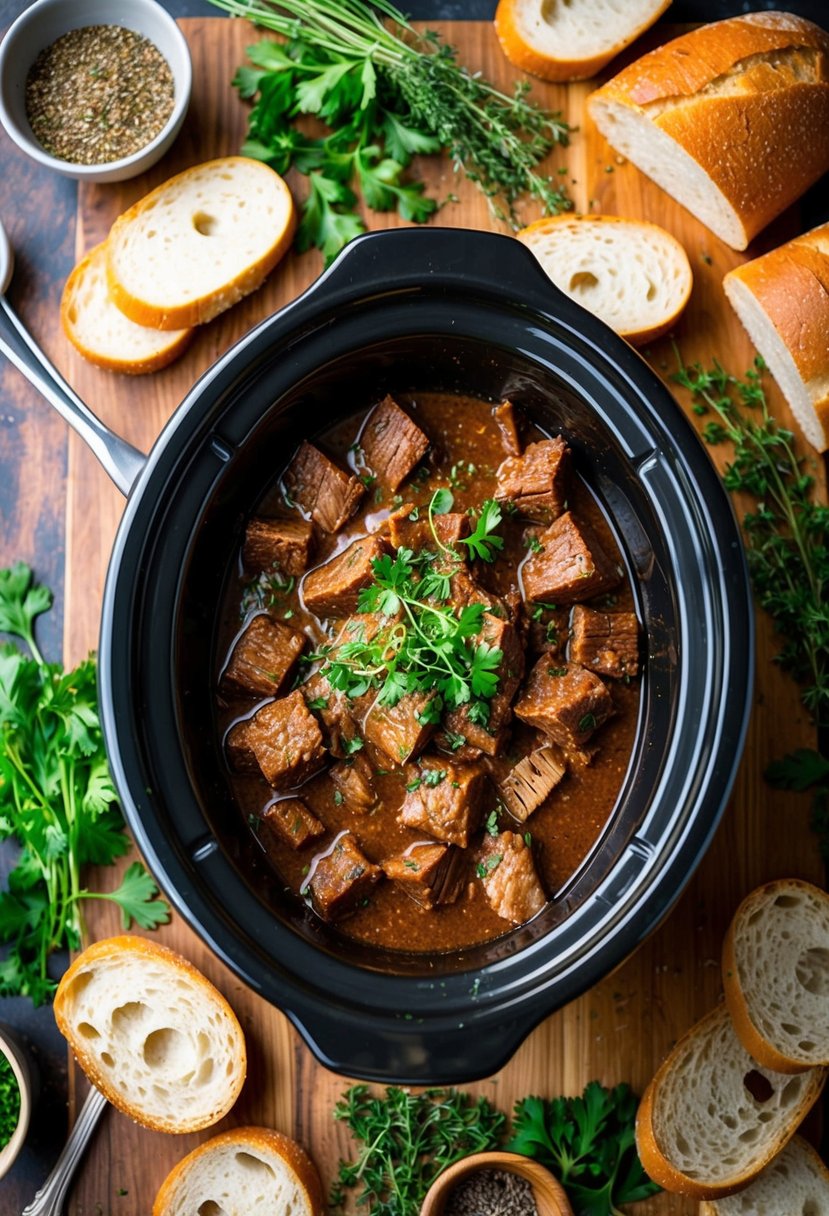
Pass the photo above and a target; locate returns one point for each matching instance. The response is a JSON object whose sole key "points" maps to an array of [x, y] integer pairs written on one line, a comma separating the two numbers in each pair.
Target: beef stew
{"points": [[441, 728]]}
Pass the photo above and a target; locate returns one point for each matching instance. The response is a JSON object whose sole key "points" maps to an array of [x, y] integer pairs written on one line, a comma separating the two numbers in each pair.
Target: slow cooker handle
{"points": [[120, 459]]}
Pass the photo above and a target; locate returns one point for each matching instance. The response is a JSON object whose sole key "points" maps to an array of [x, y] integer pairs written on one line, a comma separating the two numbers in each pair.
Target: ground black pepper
{"points": [[491, 1193], [97, 94]]}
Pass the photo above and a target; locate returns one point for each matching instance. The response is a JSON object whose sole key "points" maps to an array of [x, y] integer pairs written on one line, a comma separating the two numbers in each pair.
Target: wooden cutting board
{"points": [[620, 1029]]}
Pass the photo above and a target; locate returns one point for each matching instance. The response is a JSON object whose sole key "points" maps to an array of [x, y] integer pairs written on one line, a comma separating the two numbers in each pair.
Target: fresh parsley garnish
{"points": [[801, 770], [589, 1145], [388, 93], [57, 800]]}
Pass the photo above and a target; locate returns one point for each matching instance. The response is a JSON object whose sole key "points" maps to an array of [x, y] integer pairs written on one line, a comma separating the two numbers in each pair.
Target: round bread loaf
{"points": [[250, 1171], [776, 975], [632, 274], [200, 242], [152, 1033]]}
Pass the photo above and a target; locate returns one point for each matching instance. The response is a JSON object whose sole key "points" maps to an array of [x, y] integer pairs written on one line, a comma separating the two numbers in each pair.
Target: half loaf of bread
{"points": [[152, 1033], [630, 273], [776, 975], [796, 1181], [572, 40], [200, 242], [731, 119], [712, 1118], [102, 333], [250, 1171], [782, 298]]}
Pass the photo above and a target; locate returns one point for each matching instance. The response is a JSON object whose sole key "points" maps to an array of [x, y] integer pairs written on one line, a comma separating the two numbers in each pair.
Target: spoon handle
{"points": [[121, 460], [49, 1199]]}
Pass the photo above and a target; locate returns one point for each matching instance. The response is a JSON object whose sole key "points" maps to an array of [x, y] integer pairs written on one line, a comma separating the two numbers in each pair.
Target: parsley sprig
{"points": [[388, 93], [57, 801], [589, 1144], [427, 646]]}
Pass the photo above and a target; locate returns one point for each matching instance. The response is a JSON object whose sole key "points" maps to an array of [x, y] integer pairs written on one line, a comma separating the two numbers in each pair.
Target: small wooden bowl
{"points": [[550, 1197]]}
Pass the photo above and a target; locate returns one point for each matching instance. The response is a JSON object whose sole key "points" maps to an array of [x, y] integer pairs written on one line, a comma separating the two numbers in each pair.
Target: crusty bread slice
{"points": [[782, 298], [199, 242], [731, 119], [102, 333], [794, 1183], [159, 1041], [570, 39], [711, 1118], [630, 273], [776, 975], [250, 1171]]}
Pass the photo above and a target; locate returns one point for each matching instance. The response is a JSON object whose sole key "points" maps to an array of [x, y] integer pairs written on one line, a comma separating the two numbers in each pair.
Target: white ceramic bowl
{"points": [[12, 1048], [44, 22]]}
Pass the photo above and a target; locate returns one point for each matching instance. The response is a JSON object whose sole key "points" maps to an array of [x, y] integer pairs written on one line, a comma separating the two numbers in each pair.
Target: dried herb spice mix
{"points": [[97, 94], [491, 1193]]}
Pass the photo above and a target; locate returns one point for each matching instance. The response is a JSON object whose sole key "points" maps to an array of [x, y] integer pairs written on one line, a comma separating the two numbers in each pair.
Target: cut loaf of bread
{"points": [[711, 1118], [782, 298], [630, 273], [198, 243], [250, 1171], [795, 1183], [776, 975], [102, 333], [731, 119], [570, 39], [152, 1033]]}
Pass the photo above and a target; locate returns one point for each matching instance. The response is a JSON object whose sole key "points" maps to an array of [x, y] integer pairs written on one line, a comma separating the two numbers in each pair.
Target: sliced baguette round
{"points": [[570, 40], [152, 1033], [731, 119], [776, 975], [796, 1181], [782, 299], [102, 333], [198, 243], [630, 273], [250, 1171], [711, 1118]]}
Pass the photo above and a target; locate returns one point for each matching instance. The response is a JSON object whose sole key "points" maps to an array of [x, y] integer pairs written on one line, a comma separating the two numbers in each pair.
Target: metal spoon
{"points": [[49, 1199], [121, 460]]}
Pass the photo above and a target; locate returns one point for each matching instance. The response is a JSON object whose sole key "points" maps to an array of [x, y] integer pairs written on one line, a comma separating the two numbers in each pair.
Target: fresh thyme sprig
{"points": [[388, 92]]}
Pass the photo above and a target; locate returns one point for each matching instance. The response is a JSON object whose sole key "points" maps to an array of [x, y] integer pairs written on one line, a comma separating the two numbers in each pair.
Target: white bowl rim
{"points": [[112, 14]]}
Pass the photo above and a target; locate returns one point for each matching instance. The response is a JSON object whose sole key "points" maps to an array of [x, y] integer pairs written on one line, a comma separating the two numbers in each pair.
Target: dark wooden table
{"points": [[38, 210]]}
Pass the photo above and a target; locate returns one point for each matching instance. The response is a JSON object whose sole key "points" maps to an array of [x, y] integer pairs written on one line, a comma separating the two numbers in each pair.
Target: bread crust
{"points": [[104, 951], [656, 1164], [208, 306], [711, 1209], [264, 1139], [763, 142], [642, 334], [522, 54], [764, 1052]]}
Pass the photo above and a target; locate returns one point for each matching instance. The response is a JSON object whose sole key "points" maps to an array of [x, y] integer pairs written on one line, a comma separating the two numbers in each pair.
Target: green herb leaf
{"points": [[441, 502], [482, 543]]}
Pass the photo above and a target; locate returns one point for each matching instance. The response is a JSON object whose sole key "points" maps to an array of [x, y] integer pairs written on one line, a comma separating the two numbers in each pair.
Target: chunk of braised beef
{"points": [[321, 489], [605, 642], [565, 701], [431, 874], [352, 778], [338, 713], [284, 544], [504, 415], [263, 659], [341, 879], [286, 740], [529, 783], [289, 821], [238, 750], [333, 589], [400, 731], [392, 443], [444, 799], [538, 481], [465, 590], [415, 534], [570, 564], [545, 628], [498, 634], [507, 870]]}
